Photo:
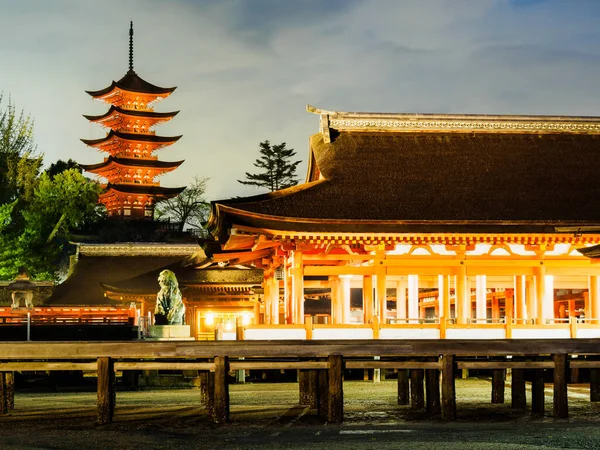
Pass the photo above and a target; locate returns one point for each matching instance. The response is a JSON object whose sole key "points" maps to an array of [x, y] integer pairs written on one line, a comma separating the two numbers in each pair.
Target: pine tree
{"points": [[278, 171]]}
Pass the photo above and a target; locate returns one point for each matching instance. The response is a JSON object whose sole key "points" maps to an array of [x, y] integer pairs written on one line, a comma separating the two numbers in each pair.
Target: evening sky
{"points": [[245, 69]]}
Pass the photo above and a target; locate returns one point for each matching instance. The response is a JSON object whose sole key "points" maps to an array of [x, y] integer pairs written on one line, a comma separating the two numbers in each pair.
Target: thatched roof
{"points": [[400, 181]]}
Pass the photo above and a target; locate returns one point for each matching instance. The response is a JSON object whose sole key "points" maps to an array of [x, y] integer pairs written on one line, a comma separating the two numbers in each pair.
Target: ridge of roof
{"points": [[131, 112], [131, 137], [133, 162], [457, 123]]}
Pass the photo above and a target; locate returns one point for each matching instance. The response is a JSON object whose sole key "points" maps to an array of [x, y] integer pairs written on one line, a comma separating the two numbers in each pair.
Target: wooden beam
{"points": [[21, 366], [505, 364], [393, 365], [221, 390], [403, 387], [561, 408], [106, 373], [335, 408], [498, 386], [160, 365], [417, 393], [448, 388], [517, 389], [278, 365], [432, 390]]}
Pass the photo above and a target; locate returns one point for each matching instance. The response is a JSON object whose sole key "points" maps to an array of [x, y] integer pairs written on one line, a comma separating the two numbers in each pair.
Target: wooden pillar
{"points": [[3, 399], [537, 392], [530, 299], [106, 390], [463, 296], [519, 296], [345, 293], [594, 385], [403, 387], [497, 385], [561, 405], [448, 388], [256, 312], [381, 293], [443, 296], [335, 408], [9, 386], [323, 397], [417, 393], [221, 390], [368, 298], [274, 293], [267, 295], [480, 297], [336, 301], [594, 298], [413, 297], [401, 300], [210, 389], [517, 389], [298, 285], [432, 389], [540, 292], [203, 378]]}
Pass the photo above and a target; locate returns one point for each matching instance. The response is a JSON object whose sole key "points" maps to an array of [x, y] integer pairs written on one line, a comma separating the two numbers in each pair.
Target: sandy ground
{"points": [[267, 416]]}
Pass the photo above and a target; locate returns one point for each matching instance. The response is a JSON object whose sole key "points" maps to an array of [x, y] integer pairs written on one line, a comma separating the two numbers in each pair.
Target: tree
{"points": [[36, 235], [188, 208], [19, 161], [60, 166], [278, 171]]}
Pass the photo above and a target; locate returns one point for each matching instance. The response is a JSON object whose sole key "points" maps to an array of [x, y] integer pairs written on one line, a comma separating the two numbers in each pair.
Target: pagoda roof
{"points": [[400, 173], [143, 189], [132, 112], [131, 162], [132, 82], [131, 137]]}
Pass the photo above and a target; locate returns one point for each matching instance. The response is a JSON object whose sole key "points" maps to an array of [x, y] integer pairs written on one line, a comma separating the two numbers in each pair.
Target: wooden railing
{"points": [[439, 328], [214, 360]]}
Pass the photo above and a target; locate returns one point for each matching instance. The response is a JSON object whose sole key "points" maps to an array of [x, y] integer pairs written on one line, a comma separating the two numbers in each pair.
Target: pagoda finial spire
{"points": [[131, 46]]}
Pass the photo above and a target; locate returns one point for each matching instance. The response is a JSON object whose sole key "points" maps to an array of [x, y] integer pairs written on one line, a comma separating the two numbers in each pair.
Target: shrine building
{"points": [[431, 226], [131, 166]]}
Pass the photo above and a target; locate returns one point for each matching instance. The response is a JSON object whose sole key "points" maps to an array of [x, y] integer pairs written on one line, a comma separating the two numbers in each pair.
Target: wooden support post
{"points": [[335, 407], [403, 386], [432, 389], [10, 390], [3, 402], [561, 402], [313, 388], [210, 390], [381, 292], [303, 392], [106, 390], [497, 385], [417, 393], [221, 390], [537, 392], [594, 385], [298, 285], [323, 388], [203, 376], [448, 388], [368, 298], [517, 389]]}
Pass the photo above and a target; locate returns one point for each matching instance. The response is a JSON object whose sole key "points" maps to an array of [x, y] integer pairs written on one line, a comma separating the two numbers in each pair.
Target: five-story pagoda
{"points": [[131, 166]]}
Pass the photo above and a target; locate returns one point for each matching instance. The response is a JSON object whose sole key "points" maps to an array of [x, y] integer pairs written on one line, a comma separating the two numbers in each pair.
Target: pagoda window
{"points": [[127, 211], [148, 212]]}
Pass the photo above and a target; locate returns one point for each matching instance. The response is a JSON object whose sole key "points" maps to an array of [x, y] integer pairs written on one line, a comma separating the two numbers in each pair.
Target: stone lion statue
{"points": [[170, 309]]}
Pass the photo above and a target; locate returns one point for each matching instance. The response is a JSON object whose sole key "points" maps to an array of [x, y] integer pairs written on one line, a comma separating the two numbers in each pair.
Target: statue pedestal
{"points": [[169, 333]]}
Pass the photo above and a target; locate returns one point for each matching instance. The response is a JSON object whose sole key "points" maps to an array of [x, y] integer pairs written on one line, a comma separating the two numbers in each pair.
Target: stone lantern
{"points": [[22, 290]]}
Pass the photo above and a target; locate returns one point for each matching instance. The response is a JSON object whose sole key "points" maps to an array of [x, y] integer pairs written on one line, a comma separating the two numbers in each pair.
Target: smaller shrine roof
{"points": [[144, 189], [132, 82], [132, 112], [131, 137], [132, 162]]}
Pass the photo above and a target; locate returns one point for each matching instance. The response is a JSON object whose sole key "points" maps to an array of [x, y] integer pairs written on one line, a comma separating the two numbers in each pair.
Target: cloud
{"points": [[246, 68]]}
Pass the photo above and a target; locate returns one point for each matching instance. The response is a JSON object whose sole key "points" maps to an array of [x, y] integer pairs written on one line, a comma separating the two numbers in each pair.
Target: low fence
{"points": [[442, 328], [321, 365]]}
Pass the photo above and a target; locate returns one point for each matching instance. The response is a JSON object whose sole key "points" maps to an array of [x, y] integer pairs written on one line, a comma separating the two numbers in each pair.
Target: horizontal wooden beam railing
{"points": [[327, 358]]}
